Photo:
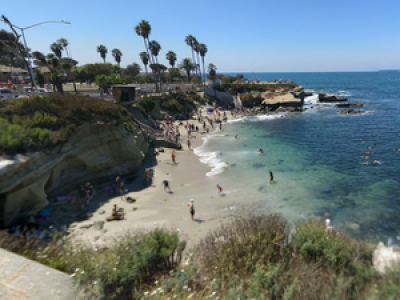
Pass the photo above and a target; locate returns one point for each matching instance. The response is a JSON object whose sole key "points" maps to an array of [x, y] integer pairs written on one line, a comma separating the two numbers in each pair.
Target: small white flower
{"points": [[189, 289], [182, 270], [114, 269], [82, 272], [94, 282], [172, 271], [213, 280], [156, 282], [213, 293], [174, 296], [77, 269], [146, 293], [185, 287], [191, 295], [73, 274]]}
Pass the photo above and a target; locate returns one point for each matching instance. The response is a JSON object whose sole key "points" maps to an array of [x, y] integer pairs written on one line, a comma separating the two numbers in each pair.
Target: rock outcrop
{"points": [[94, 151], [323, 97], [347, 105], [351, 111]]}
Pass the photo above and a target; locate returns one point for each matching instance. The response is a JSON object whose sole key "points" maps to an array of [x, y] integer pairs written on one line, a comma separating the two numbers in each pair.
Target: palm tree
{"points": [[65, 45], [144, 56], [57, 49], [188, 66], [203, 50], [197, 50], [143, 29], [171, 57], [117, 55], [103, 52], [52, 62], [190, 41], [155, 48]]}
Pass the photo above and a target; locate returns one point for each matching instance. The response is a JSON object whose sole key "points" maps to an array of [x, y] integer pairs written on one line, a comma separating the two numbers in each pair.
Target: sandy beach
{"points": [[156, 208]]}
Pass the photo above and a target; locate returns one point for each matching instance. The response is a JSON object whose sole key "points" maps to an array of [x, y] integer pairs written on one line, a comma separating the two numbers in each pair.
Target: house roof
{"points": [[8, 69]]}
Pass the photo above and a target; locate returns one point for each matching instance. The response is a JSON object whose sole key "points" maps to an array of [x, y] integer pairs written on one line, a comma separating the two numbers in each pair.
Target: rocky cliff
{"points": [[94, 151]]}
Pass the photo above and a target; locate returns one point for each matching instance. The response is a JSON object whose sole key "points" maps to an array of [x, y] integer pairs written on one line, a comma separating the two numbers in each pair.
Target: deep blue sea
{"points": [[316, 155]]}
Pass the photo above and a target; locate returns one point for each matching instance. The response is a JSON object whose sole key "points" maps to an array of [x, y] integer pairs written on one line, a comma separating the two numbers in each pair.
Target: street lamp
{"points": [[5, 20]]}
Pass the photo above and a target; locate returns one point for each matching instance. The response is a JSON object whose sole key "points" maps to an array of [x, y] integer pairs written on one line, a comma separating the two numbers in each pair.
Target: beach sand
{"points": [[156, 208]]}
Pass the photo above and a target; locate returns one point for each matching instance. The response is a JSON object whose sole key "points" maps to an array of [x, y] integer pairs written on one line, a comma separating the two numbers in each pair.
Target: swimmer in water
{"points": [[377, 162], [366, 163], [261, 151], [235, 136]]}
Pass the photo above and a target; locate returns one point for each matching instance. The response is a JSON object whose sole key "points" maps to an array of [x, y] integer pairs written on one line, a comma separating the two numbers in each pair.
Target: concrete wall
{"points": [[221, 96]]}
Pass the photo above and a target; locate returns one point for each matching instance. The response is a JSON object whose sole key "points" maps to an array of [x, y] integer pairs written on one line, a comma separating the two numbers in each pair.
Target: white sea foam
{"points": [[311, 99], [344, 94], [259, 118], [210, 158]]}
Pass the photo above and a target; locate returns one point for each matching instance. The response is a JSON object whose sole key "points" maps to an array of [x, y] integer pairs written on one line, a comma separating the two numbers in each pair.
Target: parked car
{"points": [[7, 94], [28, 89]]}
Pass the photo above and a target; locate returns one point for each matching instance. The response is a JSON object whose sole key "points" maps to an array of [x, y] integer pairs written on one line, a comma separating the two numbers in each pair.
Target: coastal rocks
{"points": [[351, 111], [323, 97], [385, 257], [308, 94], [347, 105], [94, 151]]}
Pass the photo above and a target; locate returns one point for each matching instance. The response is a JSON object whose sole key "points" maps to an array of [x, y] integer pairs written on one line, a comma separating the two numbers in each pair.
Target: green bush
{"points": [[172, 105], [147, 104], [43, 122]]}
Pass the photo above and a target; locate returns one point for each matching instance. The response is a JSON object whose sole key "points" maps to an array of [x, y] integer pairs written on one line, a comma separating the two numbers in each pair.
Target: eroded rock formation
{"points": [[94, 151]]}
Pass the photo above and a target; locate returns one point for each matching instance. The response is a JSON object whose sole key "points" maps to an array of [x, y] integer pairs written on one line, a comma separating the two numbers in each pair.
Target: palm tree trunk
{"points": [[194, 60], [145, 67], [198, 57], [204, 72]]}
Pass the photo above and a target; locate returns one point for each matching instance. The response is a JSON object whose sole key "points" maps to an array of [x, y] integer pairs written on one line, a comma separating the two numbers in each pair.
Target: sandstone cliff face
{"points": [[94, 151]]}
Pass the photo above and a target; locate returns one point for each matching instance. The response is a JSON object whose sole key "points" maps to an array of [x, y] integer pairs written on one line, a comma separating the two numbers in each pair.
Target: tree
{"points": [[212, 72], [103, 52], [131, 72], [144, 56], [171, 57], [190, 41], [174, 74], [203, 50], [117, 55], [143, 29], [196, 47], [10, 54], [155, 48], [52, 62], [39, 77], [188, 66], [65, 46], [105, 82], [57, 49]]}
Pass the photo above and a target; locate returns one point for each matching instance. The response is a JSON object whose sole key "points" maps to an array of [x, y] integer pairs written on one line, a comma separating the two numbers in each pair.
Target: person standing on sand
{"points": [[219, 189], [220, 126], [122, 191], [166, 185], [189, 144], [271, 176], [173, 157], [191, 208]]}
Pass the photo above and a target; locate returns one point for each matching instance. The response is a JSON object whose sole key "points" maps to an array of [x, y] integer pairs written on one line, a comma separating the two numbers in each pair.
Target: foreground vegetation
{"points": [[37, 123], [251, 258]]}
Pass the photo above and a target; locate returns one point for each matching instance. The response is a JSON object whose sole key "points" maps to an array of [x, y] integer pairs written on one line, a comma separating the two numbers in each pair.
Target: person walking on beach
{"points": [[189, 144], [219, 189], [191, 208], [166, 185], [122, 191], [220, 126], [173, 157], [271, 176]]}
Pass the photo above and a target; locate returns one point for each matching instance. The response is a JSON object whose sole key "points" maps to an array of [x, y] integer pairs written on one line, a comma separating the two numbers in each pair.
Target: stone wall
{"points": [[94, 151], [221, 96]]}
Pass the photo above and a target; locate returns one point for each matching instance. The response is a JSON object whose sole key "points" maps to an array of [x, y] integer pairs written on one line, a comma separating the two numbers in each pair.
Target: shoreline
{"points": [[156, 208]]}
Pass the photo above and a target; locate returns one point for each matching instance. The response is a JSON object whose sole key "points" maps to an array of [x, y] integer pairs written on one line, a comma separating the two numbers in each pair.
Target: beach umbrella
{"points": [[27, 78], [209, 106]]}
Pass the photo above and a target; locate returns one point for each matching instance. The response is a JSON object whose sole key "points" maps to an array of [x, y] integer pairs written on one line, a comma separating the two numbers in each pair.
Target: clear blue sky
{"points": [[264, 35]]}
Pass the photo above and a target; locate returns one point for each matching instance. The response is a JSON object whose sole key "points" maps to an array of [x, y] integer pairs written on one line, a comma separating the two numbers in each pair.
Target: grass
{"points": [[37, 123], [253, 257]]}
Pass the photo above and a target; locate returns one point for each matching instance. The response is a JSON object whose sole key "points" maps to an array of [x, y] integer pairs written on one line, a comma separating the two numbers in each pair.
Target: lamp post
{"points": [[5, 20]]}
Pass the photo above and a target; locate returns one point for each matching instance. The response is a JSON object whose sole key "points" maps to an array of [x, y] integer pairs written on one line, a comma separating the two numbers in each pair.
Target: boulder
{"points": [[93, 152], [280, 109], [347, 105], [307, 94], [351, 111], [323, 97]]}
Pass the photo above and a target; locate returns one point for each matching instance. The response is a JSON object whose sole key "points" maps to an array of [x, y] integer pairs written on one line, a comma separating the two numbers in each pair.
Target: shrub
{"points": [[147, 104], [172, 105], [43, 122]]}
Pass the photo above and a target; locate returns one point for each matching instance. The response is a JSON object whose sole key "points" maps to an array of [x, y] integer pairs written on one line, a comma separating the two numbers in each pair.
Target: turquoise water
{"points": [[316, 156]]}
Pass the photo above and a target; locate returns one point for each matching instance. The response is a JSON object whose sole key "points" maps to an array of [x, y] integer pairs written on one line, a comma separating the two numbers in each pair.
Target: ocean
{"points": [[316, 156]]}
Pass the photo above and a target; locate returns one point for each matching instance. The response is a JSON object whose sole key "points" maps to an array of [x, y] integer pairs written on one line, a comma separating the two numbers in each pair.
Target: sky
{"points": [[241, 36]]}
